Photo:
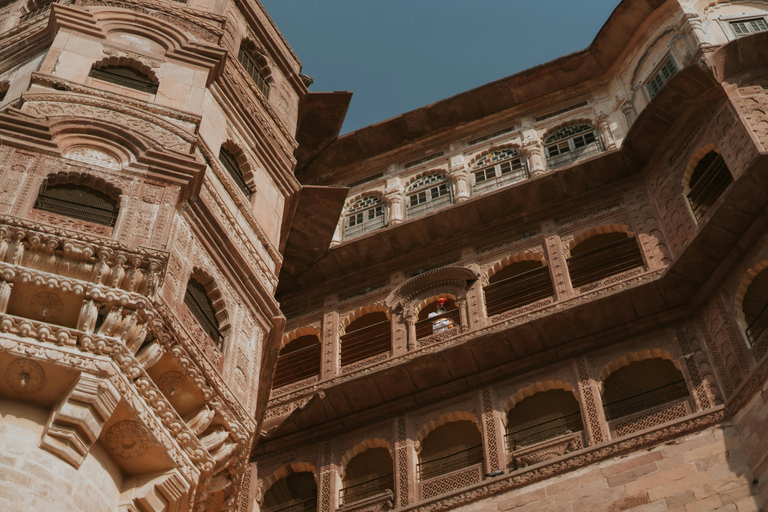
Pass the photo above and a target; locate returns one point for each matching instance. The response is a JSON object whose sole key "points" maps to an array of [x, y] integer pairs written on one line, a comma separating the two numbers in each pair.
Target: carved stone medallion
{"points": [[46, 306], [173, 383], [128, 439], [24, 376]]}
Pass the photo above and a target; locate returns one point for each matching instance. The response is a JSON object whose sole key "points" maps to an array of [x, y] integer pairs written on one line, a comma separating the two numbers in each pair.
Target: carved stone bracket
{"points": [[77, 420], [166, 492]]}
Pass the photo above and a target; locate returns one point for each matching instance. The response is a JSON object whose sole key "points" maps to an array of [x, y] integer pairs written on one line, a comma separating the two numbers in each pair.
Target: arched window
{"points": [[499, 168], [229, 162], [642, 385], [450, 447], [366, 337], [125, 76], [296, 492], [708, 181], [298, 360], [542, 416], [428, 193], [3, 90], [755, 307], [603, 255], [433, 320], [199, 304], [367, 474], [365, 214], [517, 284], [571, 142], [256, 66], [78, 202]]}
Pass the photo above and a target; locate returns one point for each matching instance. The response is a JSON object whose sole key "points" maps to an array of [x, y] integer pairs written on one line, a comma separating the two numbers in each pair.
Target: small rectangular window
{"points": [[751, 26], [661, 77]]}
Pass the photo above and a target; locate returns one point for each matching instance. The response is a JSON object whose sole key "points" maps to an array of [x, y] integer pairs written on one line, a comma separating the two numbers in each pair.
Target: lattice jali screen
{"points": [[451, 481], [642, 421]]}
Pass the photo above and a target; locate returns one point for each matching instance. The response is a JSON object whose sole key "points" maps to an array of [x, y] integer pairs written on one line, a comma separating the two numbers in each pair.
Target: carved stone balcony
{"points": [[545, 450]]}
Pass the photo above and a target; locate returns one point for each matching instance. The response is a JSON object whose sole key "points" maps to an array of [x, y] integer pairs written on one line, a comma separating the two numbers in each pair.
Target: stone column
{"points": [[459, 177], [411, 322], [629, 112], [463, 316], [393, 195], [554, 252], [493, 437], [609, 143], [329, 365], [533, 149], [595, 426]]}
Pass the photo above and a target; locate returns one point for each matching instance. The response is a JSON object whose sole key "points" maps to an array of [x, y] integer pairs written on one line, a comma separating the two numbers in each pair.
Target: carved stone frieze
{"points": [[560, 445]]}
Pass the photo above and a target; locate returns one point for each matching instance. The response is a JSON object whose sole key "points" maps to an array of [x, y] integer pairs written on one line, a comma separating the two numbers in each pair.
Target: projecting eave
{"points": [[487, 100]]}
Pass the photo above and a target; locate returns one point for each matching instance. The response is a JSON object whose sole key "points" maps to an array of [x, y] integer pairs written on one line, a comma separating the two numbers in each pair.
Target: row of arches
{"points": [[704, 181], [520, 281], [454, 441]]}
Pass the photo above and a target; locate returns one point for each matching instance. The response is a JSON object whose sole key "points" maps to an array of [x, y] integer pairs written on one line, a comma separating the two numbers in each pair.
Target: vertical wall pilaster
{"points": [[493, 438], [327, 481], [554, 252], [404, 475], [591, 405], [329, 366]]}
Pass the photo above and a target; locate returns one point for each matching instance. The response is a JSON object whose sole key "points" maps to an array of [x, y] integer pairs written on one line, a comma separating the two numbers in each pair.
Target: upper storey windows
{"points": [[200, 305], [749, 26], [125, 76], [660, 77], [365, 214], [255, 64], [571, 142], [427, 193], [498, 168], [229, 161]]}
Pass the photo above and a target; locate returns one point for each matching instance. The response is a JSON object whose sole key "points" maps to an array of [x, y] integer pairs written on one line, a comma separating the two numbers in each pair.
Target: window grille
{"points": [[518, 290], [298, 360], [297, 492], [499, 168], [34, 13], [255, 70], [370, 487], [125, 76], [571, 142], [605, 260], [366, 214], [306, 505], [80, 203], [229, 162], [543, 430], [751, 26], [196, 299], [428, 193], [708, 181], [661, 77], [646, 400], [363, 342], [452, 462]]}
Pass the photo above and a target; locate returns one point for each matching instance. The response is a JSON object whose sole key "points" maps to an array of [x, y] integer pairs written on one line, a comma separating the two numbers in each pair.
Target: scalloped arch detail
{"points": [[215, 295], [533, 389], [746, 281], [294, 467], [360, 448], [412, 179], [359, 313], [514, 258], [565, 124], [501, 147], [298, 333], [693, 162], [634, 357], [444, 419], [599, 230]]}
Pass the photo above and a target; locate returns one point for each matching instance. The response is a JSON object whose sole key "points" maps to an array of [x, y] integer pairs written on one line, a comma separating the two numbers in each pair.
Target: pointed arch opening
{"points": [[705, 182], [542, 416], [299, 359], [367, 474], [450, 447], [520, 281], [603, 252], [296, 492], [642, 385], [203, 300], [366, 336]]}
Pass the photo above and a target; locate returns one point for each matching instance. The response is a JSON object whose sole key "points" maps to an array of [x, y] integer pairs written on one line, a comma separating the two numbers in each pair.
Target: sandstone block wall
{"points": [[33, 480], [708, 471]]}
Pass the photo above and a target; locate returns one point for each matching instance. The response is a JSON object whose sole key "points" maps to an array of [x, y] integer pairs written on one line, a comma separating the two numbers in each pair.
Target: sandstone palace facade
{"points": [[549, 293]]}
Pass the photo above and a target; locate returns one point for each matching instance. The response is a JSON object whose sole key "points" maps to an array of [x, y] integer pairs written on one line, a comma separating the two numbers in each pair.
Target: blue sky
{"points": [[399, 55]]}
